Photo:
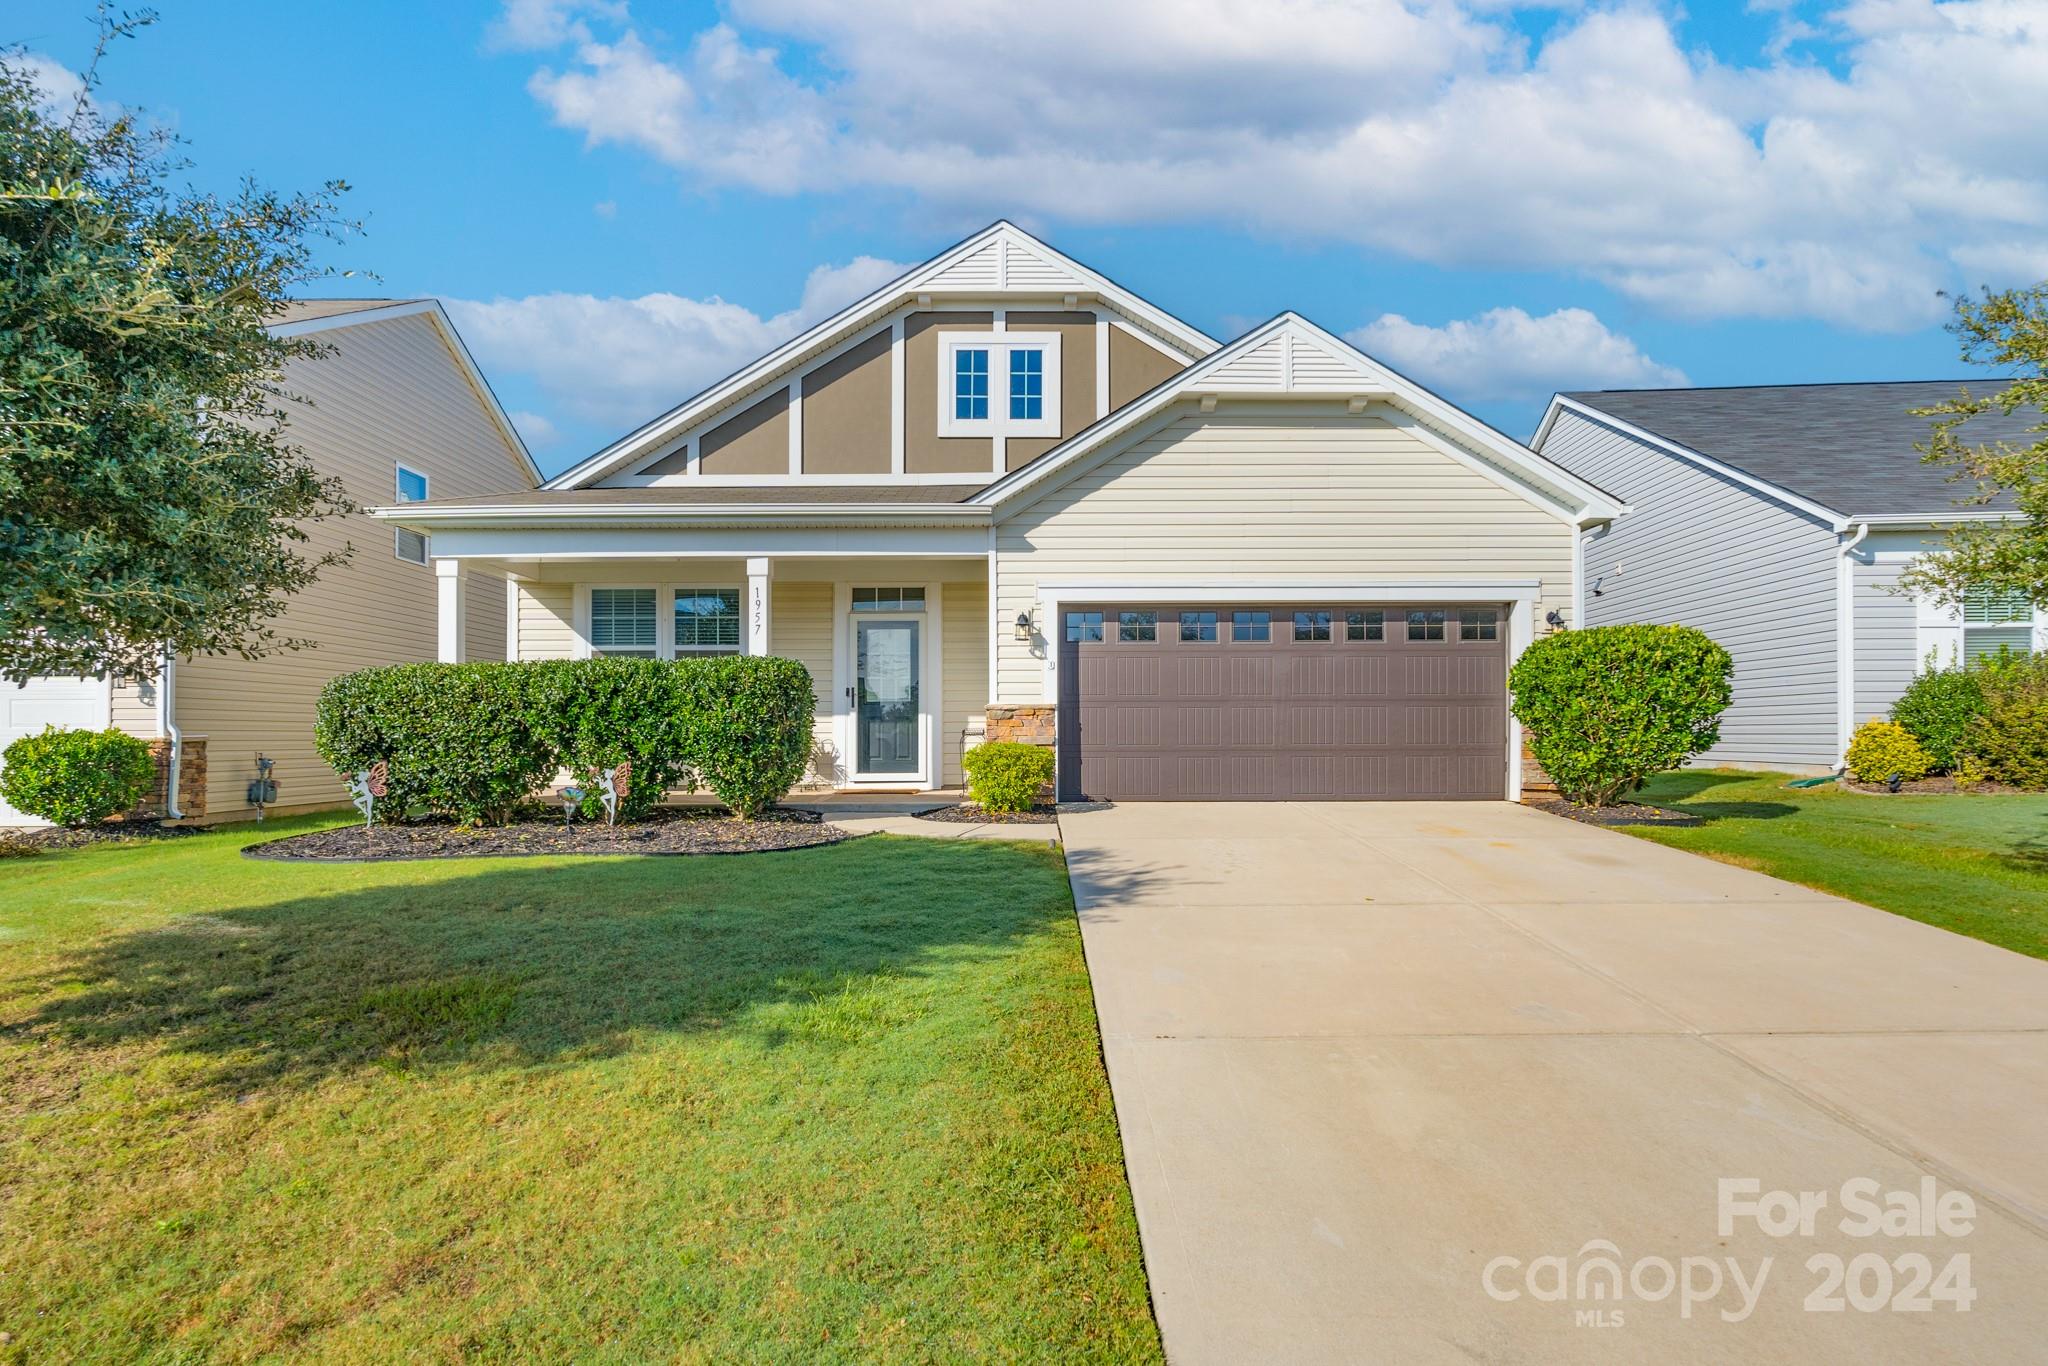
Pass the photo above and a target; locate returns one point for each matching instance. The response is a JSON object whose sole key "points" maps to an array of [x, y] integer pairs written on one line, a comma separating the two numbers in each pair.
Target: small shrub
{"points": [[1007, 777], [76, 777], [1970, 771], [1937, 709], [2010, 740], [1880, 749], [1609, 706], [459, 739]]}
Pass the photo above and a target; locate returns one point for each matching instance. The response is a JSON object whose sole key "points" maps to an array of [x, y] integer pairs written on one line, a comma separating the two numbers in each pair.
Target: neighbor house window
{"points": [[622, 623], [1367, 625], [888, 599], [999, 384], [1198, 626], [1426, 624], [707, 621], [1994, 619], [1136, 627], [1478, 623], [1084, 626], [1251, 626], [409, 545], [1311, 625]]}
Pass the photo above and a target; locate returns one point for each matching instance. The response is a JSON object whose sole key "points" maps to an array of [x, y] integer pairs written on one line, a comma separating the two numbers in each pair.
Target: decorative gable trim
{"points": [[1000, 259], [1292, 357]]}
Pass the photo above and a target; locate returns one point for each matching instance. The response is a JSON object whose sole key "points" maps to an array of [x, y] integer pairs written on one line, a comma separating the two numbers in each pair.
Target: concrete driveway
{"points": [[1384, 1072]]}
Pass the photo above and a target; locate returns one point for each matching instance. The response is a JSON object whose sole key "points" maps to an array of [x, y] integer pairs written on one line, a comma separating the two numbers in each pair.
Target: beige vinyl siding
{"points": [[547, 620], [963, 669], [1300, 491], [134, 707], [800, 628], [387, 393]]}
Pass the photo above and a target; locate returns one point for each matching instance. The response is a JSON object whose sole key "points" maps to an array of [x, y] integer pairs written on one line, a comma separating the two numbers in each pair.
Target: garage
{"points": [[1282, 702], [25, 709]]}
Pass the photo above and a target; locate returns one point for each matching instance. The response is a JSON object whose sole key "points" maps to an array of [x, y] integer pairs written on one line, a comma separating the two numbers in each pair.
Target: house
{"points": [[1778, 519], [396, 410], [1003, 497]]}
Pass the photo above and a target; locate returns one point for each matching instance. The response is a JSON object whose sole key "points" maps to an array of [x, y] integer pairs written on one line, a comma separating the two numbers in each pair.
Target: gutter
{"points": [[166, 724], [719, 514], [1845, 641]]}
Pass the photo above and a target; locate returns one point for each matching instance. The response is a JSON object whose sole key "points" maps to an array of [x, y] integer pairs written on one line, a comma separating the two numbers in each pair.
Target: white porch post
{"points": [[759, 571], [454, 616]]}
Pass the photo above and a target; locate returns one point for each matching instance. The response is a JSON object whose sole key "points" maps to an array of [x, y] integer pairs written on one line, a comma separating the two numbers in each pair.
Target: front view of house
{"points": [[1004, 498]]}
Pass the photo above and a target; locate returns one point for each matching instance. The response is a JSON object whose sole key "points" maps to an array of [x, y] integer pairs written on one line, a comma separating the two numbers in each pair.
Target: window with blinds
{"points": [[1996, 619], [622, 623]]}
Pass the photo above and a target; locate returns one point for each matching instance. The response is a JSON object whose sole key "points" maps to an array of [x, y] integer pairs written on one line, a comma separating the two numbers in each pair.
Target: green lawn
{"points": [[844, 1103], [1975, 864]]}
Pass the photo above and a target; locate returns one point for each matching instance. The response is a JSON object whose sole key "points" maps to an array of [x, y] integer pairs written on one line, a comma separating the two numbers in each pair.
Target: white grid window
{"points": [[888, 599], [1995, 619], [999, 384], [622, 623], [407, 544], [707, 621]]}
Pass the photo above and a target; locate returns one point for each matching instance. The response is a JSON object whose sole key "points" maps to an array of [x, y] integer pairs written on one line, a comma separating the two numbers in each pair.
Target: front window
{"points": [[1084, 626], [970, 385], [1198, 626], [409, 545], [707, 621], [1251, 626], [1996, 619], [1027, 384], [622, 623], [888, 599]]}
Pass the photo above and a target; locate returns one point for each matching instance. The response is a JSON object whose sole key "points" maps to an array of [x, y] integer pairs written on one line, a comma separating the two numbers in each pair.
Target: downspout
{"points": [[1845, 644], [167, 724]]}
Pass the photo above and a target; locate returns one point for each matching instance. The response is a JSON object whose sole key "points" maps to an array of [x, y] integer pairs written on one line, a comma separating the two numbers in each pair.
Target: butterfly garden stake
{"points": [[613, 784], [366, 787]]}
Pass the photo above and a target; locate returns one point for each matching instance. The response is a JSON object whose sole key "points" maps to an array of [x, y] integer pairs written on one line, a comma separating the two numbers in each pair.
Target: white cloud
{"points": [[1504, 355], [531, 25], [1846, 189], [616, 362], [57, 84], [535, 429]]}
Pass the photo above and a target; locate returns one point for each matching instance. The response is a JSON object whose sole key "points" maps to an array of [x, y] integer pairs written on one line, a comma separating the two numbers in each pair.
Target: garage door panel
{"points": [[1285, 719]]}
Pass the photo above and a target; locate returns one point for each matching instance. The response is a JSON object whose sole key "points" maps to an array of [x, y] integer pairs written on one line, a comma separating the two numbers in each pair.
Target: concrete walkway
{"points": [[1363, 1053]]}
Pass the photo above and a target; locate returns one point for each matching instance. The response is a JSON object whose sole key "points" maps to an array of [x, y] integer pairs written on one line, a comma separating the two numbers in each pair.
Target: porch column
{"points": [[759, 571], [454, 614]]}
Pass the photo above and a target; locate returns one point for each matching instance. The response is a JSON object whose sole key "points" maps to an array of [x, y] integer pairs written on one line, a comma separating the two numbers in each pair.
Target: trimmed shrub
{"points": [[749, 720], [1002, 776], [1937, 709], [1609, 706], [459, 738], [597, 713], [76, 777], [2009, 742], [1881, 749]]}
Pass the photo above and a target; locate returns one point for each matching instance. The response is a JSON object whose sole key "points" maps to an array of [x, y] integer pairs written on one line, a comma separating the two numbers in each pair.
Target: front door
{"points": [[886, 716]]}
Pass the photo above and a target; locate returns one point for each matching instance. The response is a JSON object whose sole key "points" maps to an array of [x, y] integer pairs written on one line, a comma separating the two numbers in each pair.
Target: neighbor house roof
{"points": [[306, 310], [1848, 447], [698, 493]]}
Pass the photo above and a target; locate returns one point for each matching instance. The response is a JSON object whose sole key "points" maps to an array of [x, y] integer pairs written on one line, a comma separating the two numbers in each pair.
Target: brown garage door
{"points": [[1206, 702]]}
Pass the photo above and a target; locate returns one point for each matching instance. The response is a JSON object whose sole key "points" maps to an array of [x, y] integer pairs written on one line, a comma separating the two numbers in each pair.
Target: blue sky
{"points": [[622, 200]]}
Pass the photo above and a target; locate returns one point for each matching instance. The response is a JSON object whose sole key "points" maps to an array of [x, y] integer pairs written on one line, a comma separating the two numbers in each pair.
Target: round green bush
{"points": [[1007, 777], [76, 777], [1881, 750], [1609, 706], [1938, 709]]}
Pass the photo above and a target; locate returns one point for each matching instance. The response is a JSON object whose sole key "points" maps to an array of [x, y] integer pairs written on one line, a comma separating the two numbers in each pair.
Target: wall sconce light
{"points": [[1554, 619], [1023, 626]]}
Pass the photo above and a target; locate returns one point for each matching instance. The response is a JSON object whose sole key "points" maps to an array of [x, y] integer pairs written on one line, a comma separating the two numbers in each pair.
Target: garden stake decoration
{"points": [[572, 797], [366, 787], [613, 784]]}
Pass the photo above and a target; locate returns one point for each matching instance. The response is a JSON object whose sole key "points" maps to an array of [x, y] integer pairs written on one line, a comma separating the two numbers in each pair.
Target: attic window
{"points": [[999, 384]]}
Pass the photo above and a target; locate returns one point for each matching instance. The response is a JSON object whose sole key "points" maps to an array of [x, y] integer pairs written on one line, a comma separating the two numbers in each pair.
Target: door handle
{"points": [[849, 694]]}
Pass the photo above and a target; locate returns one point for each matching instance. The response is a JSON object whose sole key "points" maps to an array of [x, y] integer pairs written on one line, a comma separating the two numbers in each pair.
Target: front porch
{"points": [[899, 648]]}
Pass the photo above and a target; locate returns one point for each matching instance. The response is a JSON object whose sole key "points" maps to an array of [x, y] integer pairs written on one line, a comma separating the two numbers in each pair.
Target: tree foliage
{"points": [[149, 497], [2007, 329]]}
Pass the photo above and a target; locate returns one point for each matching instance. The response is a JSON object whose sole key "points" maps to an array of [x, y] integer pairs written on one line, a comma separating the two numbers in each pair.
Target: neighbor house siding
{"points": [[386, 393], [1302, 492], [1886, 632], [800, 628], [547, 620], [963, 667], [1702, 550]]}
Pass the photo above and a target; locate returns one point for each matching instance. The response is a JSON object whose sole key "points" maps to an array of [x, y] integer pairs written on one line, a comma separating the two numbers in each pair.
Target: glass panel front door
{"points": [[886, 686]]}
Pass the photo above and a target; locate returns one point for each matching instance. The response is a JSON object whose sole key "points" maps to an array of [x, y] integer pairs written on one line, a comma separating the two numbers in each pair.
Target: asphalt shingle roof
{"points": [[1849, 447]]}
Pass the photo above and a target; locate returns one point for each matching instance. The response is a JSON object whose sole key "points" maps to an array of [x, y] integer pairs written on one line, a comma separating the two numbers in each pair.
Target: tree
{"points": [[2008, 329], [149, 498]]}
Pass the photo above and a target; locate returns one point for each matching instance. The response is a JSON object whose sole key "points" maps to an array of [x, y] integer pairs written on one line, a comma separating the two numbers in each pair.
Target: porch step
{"points": [[857, 804]]}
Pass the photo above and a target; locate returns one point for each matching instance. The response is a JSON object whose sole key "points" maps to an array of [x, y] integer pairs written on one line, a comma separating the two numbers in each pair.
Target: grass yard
{"points": [[842, 1103], [1977, 865]]}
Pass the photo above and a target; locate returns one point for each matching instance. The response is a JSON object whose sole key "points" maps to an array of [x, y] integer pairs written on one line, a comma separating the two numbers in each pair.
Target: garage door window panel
{"points": [[1084, 627], [1311, 626], [1478, 623], [1426, 623], [1251, 628], [1137, 628], [1198, 628], [1365, 625]]}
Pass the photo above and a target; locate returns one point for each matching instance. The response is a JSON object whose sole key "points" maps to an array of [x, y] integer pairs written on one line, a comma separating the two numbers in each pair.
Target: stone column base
{"points": [[191, 781], [1020, 723]]}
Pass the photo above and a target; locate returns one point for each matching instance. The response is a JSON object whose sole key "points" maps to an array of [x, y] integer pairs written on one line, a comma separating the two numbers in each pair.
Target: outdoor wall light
{"points": [[1023, 626]]}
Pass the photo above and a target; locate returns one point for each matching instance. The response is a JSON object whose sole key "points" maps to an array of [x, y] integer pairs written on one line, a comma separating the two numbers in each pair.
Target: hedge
{"points": [[1608, 706], [2009, 741], [76, 777], [1938, 709], [470, 741], [1007, 777]]}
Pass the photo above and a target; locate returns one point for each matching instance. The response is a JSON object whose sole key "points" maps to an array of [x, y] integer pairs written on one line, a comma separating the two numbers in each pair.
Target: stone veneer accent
{"points": [[191, 780], [1024, 723], [1534, 779]]}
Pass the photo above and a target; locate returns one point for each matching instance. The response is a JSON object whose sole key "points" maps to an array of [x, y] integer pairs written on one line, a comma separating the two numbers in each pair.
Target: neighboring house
{"points": [[396, 410], [1777, 519], [1005, 497]]}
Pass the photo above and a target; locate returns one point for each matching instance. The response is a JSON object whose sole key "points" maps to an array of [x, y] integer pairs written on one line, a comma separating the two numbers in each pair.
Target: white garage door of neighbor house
{"points": [[73, 703]]}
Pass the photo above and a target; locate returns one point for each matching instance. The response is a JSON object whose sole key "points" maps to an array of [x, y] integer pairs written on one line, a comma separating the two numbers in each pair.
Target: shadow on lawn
{"points": [[1679, 790], [511, 966]]}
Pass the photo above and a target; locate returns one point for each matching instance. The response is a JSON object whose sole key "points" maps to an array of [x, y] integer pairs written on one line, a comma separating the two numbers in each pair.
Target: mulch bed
{"points": [[968, 813], [1621, 813], [670, 830], [20, 843]]}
